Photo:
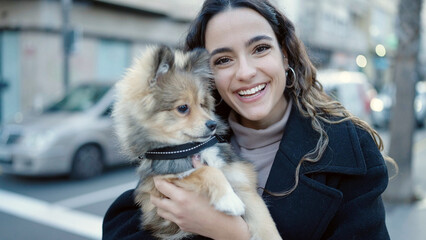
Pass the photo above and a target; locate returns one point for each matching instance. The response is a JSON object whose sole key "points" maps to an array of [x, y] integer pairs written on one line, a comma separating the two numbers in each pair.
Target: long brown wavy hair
{"points": [[303, 87]]}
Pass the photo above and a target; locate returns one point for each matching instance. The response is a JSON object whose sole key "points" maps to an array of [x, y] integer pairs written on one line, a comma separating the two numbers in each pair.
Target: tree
{"points": [[405, 77]]}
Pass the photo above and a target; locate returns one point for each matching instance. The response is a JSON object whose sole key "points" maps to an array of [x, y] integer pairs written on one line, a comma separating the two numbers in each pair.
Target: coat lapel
{"points": [[313, 204], [343, 153]]}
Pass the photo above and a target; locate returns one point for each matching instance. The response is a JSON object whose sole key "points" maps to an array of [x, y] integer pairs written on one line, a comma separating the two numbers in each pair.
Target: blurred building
{"points": [[337, 32], [108, 34]]}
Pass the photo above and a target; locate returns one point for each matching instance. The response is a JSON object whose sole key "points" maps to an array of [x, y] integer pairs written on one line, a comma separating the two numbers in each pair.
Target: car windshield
{"points": [[80, 98]]}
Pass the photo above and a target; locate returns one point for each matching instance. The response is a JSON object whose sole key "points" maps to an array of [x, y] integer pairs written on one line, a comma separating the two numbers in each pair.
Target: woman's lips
{"points": [[252, 91], [252, 94]]}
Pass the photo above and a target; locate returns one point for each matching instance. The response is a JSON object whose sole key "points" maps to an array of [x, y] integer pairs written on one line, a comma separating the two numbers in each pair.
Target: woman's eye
{"points": [[183, 108], [222, 61], [261, 48]]}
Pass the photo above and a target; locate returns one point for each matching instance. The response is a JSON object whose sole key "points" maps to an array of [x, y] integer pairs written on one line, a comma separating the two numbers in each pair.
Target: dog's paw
{"points": [[230, 204]]}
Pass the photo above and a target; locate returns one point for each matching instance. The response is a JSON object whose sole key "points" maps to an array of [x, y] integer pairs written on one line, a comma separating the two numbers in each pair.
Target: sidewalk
{"points": [[408, 221]]}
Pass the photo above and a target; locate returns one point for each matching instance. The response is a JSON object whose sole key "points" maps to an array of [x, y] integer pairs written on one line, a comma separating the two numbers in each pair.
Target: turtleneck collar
{"points": [[249, 138]]}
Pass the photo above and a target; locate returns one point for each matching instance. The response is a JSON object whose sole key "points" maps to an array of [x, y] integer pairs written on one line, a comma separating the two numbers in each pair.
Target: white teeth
{"points": [[252, 91]]}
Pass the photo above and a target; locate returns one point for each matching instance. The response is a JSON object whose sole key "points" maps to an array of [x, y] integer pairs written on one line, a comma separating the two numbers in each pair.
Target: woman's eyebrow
{"points": [[258, 38], [220, 50], [248, 43]]}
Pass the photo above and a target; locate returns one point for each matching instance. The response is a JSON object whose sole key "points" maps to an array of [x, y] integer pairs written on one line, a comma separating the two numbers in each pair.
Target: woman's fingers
{"points": [[162, 204], [166, 215], [166, 188], [169, 209], [196, 161]]}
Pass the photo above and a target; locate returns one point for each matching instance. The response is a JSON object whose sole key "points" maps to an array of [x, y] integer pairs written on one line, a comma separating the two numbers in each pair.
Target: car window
{"points": [[108, 111], [351, 97], [80, 98]]}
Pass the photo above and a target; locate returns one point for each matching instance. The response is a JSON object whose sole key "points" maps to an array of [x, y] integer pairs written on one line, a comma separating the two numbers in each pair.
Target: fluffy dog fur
{"points": [[164, 100]]}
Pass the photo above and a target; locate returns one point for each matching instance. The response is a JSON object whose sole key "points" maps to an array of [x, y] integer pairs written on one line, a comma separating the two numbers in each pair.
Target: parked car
{"points": [[382, 105], [352, 89], [73, 136]]}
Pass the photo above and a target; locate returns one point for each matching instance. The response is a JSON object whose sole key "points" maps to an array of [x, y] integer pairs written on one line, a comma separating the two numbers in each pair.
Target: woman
{"points": [[320, 167]]}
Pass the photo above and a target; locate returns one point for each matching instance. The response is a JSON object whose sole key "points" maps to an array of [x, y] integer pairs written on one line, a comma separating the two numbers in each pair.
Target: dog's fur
{"points": [[147, 116]]}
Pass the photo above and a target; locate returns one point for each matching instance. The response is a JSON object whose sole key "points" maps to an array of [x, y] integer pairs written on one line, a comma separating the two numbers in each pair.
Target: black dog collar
{"points": [[180, 151]]}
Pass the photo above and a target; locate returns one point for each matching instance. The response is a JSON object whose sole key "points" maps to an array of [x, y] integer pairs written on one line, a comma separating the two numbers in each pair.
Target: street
{"points": [[59, 208], [407, 221]]}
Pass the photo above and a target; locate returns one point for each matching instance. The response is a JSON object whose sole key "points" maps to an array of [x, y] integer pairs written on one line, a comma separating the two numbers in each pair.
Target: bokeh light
{"points": [[361, 61], [380, 50]]}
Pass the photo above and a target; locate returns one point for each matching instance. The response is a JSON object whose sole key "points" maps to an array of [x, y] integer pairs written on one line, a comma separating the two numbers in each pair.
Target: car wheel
{"points": [[87, 162]]}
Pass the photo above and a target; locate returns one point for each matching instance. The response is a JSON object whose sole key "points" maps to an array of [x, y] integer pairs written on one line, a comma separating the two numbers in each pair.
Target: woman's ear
{"points": [[285, 60]]}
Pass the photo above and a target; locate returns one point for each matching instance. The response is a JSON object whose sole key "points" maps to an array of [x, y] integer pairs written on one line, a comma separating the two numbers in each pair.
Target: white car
{"points": [[74, 136], [351, 89]]}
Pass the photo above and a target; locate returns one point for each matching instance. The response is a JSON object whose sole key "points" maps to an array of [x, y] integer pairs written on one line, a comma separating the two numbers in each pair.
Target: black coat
{"points": [[336, 198]]}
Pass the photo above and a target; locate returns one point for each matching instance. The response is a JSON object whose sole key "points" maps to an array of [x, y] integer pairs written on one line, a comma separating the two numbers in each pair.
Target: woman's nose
{"points": [[246, 70]]}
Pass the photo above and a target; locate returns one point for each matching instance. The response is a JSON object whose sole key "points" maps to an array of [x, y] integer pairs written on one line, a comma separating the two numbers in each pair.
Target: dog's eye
{"points": [[183, 108]]}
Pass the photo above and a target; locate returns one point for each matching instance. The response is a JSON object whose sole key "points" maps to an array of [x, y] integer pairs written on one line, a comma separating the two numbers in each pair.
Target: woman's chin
{"points": [[253, 119]]}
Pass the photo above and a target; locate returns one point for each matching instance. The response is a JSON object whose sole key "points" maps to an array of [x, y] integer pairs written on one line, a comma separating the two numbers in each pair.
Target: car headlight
{"points": [[418, 105], [39, 140], [376, 105]]}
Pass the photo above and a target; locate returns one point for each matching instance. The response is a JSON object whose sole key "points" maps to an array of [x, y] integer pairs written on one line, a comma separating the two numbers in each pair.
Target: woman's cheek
{"points": [[220, 88], [222, 77], [219, 82]]}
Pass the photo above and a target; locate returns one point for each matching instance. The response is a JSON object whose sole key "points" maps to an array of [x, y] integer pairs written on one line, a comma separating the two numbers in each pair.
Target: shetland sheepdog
{"points": [[164, 118]]}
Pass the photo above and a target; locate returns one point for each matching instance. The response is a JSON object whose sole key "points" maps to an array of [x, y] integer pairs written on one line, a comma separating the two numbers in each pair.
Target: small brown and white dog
{"points": [[164, 116]]}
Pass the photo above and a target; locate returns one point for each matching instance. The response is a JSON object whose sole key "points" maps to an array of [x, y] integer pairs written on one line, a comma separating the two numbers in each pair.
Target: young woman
{"points": [[320, 169]]}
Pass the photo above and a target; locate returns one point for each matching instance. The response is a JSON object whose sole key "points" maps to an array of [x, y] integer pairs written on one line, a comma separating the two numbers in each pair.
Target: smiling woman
{"points": [[319, 167]]}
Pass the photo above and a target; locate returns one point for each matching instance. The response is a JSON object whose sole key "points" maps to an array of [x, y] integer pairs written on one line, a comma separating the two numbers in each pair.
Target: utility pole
{"points": [[3, 83], [67, 40], [401, 188], [1, 79]]}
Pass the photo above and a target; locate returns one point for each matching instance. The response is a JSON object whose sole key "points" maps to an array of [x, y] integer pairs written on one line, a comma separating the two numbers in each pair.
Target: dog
{"points": [[164, 117]]}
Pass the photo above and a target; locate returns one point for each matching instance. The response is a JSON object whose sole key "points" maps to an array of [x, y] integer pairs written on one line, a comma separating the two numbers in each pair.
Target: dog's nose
{"points": [[211, 124]]}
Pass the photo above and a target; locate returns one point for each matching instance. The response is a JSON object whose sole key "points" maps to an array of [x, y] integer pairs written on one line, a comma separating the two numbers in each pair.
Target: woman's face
{"points": [[248, 66]]}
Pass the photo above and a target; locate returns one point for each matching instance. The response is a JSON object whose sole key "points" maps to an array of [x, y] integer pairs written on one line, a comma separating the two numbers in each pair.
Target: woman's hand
{"points": [[193, 213]]}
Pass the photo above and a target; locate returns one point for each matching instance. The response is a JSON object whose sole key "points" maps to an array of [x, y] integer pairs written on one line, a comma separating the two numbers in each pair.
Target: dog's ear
{"points": [[198, 62], [162, 64]]}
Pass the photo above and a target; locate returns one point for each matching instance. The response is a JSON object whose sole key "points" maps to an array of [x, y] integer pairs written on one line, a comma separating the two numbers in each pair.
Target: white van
{"points": [[351, 89]]}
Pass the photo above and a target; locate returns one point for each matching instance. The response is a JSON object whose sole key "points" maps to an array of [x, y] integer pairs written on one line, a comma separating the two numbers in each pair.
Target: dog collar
{"points": [[180, 151]]}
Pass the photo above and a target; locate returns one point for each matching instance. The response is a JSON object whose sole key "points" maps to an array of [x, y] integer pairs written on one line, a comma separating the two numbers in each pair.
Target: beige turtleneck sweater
{"points": [[258, 146]]}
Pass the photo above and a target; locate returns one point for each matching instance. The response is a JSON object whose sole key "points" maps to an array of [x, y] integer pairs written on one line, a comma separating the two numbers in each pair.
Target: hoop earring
{"points": [[294, 77], [221, 99]]}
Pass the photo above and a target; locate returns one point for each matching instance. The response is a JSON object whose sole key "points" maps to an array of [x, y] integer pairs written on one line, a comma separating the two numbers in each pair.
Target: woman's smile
{"points": [[249, 93], [253, 94]]}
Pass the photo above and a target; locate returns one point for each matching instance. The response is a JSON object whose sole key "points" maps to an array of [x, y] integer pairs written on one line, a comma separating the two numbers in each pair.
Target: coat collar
{"points": [[343, 153]]}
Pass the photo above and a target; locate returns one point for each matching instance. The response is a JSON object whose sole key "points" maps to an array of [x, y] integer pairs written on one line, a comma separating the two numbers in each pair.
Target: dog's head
{"points": [[166, 96]]}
